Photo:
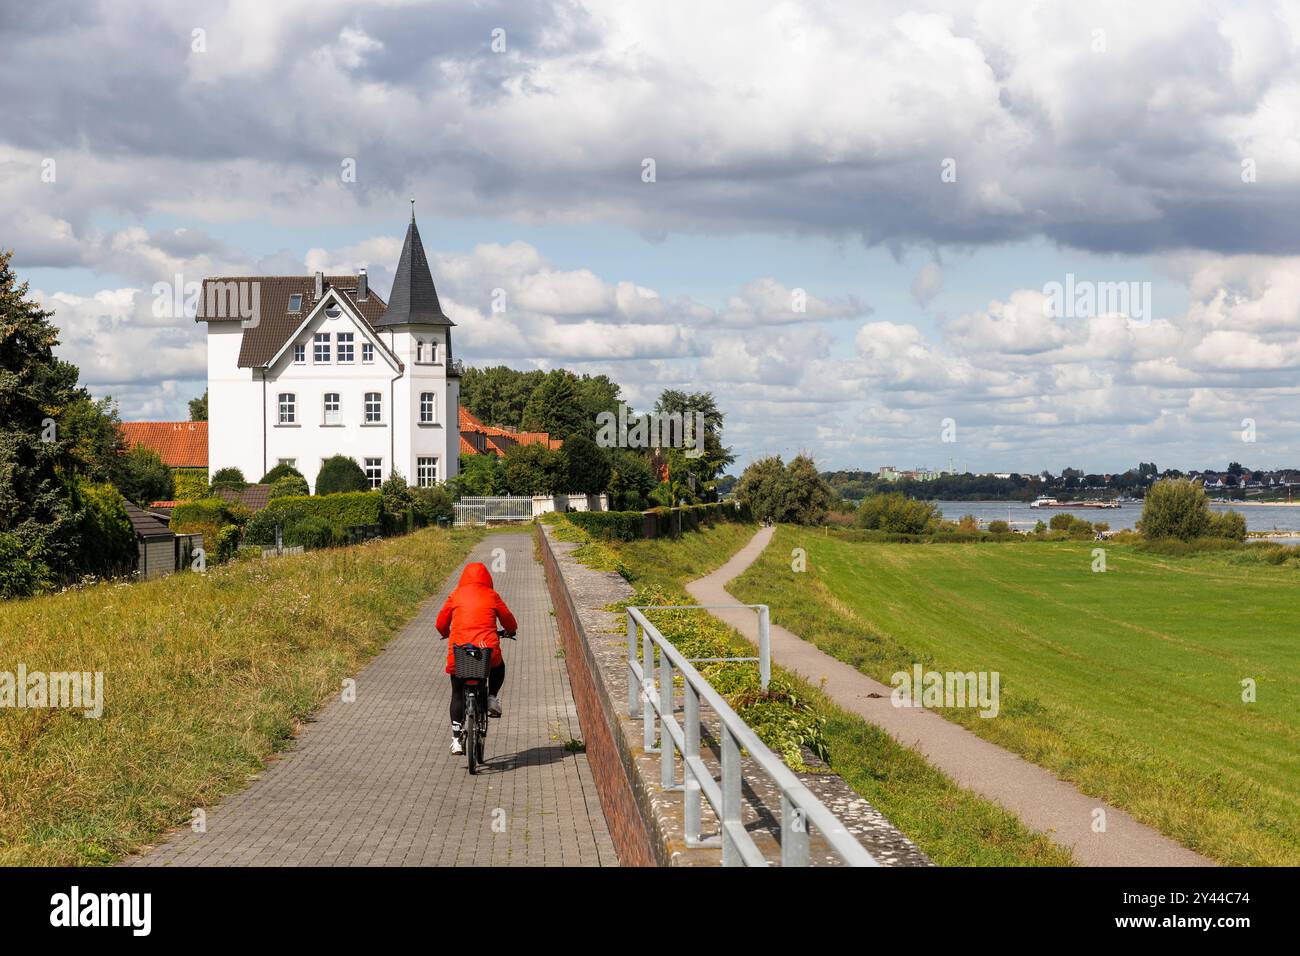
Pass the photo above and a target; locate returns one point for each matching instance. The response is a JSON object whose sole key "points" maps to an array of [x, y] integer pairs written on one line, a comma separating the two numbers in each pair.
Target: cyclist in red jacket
{"points": [[470, 616]]}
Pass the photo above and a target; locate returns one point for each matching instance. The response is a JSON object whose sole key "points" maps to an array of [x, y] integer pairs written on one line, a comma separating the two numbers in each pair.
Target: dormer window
{"points": [[295, 302]]}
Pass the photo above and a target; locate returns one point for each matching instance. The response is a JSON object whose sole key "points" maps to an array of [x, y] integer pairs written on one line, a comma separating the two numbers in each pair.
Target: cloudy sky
{"points": [[852, 222]]}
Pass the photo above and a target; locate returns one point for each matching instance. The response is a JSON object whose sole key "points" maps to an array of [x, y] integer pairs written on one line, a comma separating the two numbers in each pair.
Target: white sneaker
{"points": [[457, 747], [494, 706]]}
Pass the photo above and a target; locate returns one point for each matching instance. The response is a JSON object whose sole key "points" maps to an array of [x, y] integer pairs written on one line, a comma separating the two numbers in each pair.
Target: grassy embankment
{"points": [[205, 676], [1127, 683], [953, 826]]}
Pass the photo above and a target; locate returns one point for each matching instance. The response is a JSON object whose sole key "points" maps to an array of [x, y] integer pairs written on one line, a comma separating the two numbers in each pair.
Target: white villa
{"points": [[304, 368]]}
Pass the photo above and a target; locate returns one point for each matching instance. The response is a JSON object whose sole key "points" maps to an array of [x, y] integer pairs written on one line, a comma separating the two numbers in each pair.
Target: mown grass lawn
{"points": [[1127, 682], [953, 826], [204, 677]]}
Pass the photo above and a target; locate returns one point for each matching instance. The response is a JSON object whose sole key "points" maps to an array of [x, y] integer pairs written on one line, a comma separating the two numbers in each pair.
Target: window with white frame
{"points": [[288, 408], [291, 462], [367, 352], [374, 468], [426, 472], [374, 408], [299, 354], [321, 352], [332, 415], [419, 350], [345, 351], [428, 408], [433, 351]]}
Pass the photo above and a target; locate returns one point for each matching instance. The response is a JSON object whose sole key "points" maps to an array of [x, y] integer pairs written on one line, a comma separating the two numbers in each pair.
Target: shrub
{"points": [[189, 484], [610, 525], [21, 574], [311, 532], [968, 523], [999, 527], [1227, 524], [289, 486], [340, 474], [281, 470], [433, 505], [896, 513], [399, 503], [226, 545], [107, 546], [142, 477], [193, 517], [339, 512], [231, 478], [1061, 521], [1175, 508]]}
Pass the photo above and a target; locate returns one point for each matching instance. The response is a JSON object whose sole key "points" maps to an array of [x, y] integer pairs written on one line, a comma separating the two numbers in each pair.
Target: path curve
{"points": [[1042, 801]]}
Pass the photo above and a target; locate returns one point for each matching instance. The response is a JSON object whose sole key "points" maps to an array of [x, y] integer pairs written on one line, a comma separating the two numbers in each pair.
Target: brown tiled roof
{"points": [[276, 323], [255, 497], [145, 524], [179, 444]]}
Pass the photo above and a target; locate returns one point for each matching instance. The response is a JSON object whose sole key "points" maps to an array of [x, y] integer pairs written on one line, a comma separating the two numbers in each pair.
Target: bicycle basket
{"points": [[472, 661]]}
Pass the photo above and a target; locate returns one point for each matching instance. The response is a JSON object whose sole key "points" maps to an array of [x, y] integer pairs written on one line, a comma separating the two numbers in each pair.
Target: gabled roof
{"points": [[179, 444], [479, 439], [346, 304], [413, 298], [275, 323], [254, 497]]}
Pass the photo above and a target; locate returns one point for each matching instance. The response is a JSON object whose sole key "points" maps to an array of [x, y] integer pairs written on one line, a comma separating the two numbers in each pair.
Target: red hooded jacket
{"points": [[471, 613]]}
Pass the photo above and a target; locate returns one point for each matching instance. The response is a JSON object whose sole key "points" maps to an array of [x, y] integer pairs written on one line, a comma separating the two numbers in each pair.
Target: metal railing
{"points": [[764, 658], [650, 699], [485, 509]]}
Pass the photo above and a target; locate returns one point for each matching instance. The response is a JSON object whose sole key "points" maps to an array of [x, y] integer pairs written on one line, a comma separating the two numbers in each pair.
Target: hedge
{"points": [[609, 525], [190, 483], [190, 517], [630, 525], [336, 512]]}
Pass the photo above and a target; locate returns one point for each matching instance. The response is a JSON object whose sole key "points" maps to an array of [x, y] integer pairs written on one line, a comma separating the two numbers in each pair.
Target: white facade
{"points": [[383, 397]]}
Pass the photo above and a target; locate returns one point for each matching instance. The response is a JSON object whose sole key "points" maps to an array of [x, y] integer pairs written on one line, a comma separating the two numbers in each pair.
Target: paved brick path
{"points": [[374, 783]]}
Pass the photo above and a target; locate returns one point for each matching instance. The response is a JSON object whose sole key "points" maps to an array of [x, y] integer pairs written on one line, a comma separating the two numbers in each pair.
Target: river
{"points": [[1023, 517]]}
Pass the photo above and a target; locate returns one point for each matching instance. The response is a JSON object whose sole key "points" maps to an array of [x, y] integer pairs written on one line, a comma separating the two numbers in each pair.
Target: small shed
{"points": [[160, 550]]}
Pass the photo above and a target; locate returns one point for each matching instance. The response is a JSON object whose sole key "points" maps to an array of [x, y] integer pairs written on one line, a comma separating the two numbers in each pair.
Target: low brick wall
{"points": [[609, 764], [628, 778]]}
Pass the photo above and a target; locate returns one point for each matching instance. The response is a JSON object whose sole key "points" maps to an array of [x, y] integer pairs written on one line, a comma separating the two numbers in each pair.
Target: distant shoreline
{"points": [[1257, 504]]}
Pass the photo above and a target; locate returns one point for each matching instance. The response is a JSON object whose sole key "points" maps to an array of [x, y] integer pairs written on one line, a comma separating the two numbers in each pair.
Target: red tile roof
{"points": [[180, 444], [479, 439]]}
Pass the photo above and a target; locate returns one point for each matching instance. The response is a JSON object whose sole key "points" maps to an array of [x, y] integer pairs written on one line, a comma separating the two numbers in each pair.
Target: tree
{"points": [[143, 478], [809, 497], [1227, 524], [480, 476], [897, 514], [280, 471], [704, 464], [556, 407], [341, 473], [793, 493], [587, 465], [631, 480], [199, 408], [106, 539], [229, 478], [1175, 508], [36, 515], [92, 438], [764, 488], [534, 470]]}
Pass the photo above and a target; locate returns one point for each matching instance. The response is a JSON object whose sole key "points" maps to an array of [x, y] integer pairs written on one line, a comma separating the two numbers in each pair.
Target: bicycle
{"points": [[472, 664]]}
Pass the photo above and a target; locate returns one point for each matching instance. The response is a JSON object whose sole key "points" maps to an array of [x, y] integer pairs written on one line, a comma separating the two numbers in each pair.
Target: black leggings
{"points": [[496, 677]]}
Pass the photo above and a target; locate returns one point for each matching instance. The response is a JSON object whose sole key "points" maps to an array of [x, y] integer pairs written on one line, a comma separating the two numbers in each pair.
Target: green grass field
{"points": [[953, 826], [1128, 682], [205, 676]]}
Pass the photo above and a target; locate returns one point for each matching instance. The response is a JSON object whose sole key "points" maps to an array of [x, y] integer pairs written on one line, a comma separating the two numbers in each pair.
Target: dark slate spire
{"points": [[413, 299]]}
